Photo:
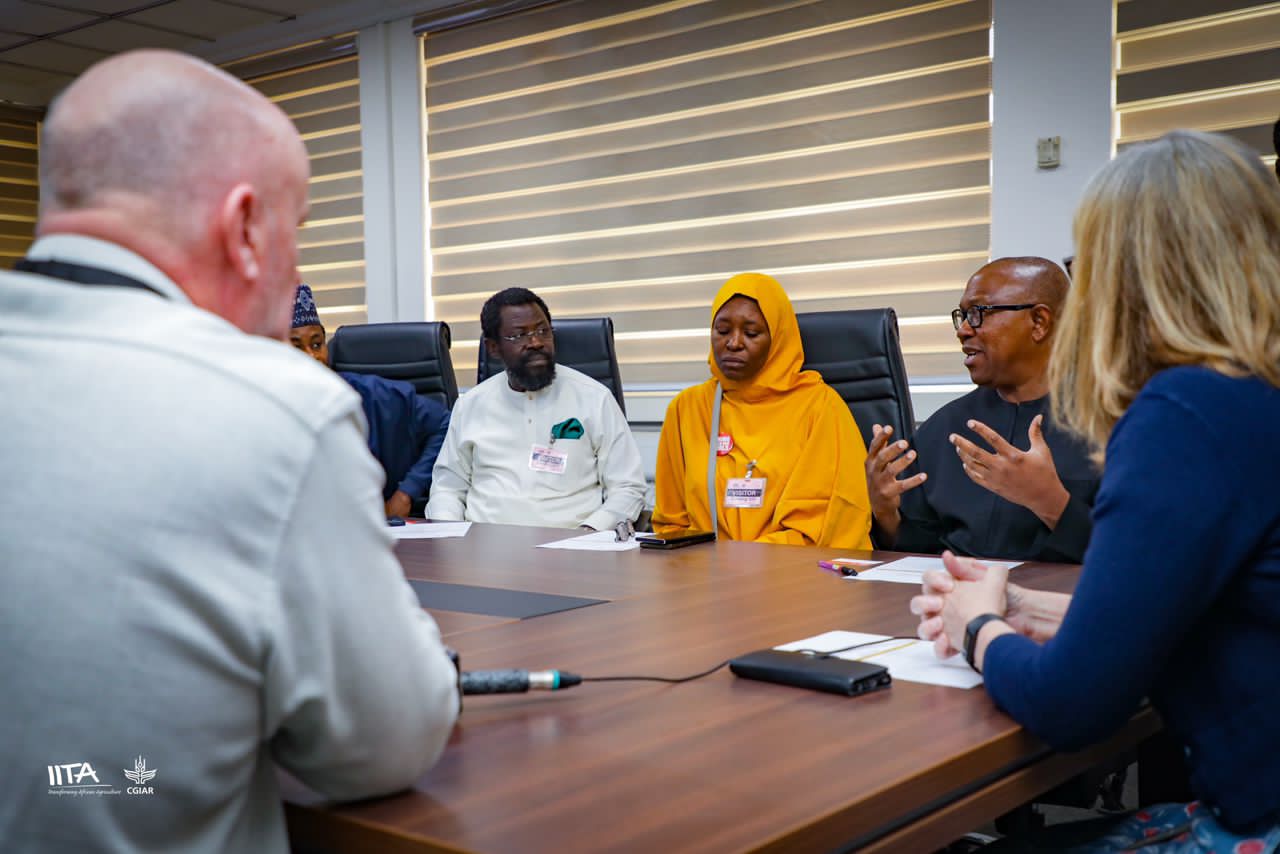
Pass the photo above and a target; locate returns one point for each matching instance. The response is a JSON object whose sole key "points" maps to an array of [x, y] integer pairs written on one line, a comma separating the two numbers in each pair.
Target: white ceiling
{"points": [[44, 44]]}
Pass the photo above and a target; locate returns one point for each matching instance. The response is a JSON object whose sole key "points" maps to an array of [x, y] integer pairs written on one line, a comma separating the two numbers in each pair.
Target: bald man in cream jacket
{"points": [[223, 596]]}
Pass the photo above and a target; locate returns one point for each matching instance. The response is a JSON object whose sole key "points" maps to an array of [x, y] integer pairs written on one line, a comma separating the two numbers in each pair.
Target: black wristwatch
{"points": [[971, 635]]}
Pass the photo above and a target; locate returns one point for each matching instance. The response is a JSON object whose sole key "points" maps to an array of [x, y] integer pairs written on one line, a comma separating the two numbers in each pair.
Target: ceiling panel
{"points": [[293, 7], [10, 39], [20, 76], [35, 72], [54, 56], [204, 17], [31, 18], [120, 35], [102, 7]]}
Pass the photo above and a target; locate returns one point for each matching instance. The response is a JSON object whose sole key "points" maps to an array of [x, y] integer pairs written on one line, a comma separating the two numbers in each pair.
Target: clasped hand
{"points": [[952, 598]]}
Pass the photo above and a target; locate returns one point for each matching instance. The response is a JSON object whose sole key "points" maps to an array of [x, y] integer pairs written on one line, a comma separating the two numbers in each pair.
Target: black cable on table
{"points": [[677, 680]]}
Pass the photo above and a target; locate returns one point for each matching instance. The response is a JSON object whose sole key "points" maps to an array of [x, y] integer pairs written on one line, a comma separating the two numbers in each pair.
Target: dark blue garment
{"points": [[406, 432], [1179, 599]]}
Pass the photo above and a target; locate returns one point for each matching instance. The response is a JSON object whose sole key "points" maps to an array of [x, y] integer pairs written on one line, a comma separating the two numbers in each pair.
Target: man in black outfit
{"points": [[991, 474], [1275, 143]]}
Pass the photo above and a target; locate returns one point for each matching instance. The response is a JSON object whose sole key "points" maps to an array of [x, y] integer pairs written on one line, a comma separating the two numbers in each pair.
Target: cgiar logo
{"points": [[140, 775]]}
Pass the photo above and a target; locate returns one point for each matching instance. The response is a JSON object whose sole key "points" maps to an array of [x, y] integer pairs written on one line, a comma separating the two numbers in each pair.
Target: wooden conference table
{"points": [[718, 764]]}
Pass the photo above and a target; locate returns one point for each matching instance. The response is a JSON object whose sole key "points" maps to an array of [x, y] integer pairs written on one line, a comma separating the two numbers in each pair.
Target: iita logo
{"points": [[74, 774], [77, 779], [139, 775]]}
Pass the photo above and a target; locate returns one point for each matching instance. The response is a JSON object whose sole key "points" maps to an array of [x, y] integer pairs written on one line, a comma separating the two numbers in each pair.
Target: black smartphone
{"points": [[653, 541]]}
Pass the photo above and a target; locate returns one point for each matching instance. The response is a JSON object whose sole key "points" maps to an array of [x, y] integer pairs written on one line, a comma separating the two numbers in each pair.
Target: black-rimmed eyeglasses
{"points": [[974, 313], [542, 333]]}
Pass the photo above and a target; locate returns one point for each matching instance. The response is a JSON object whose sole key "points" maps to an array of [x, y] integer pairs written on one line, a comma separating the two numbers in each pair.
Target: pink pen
{"points": [[835, 567]]}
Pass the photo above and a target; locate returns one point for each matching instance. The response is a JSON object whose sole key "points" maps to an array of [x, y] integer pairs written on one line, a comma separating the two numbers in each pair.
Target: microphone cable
{"points": [[676, 680], [473, 682]]}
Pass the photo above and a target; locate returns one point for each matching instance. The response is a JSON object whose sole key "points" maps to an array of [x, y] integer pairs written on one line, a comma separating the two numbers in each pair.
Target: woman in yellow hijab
{"points": [[789, 457]]}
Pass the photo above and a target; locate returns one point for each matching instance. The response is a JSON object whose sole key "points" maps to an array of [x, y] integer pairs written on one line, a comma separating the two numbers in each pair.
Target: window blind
{"points": [[19, 182], [1205, 64], [318, 87], [622, 157]]}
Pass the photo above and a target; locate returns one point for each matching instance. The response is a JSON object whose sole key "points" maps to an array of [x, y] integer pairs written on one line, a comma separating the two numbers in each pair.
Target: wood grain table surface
{"points": [[718, 764]]}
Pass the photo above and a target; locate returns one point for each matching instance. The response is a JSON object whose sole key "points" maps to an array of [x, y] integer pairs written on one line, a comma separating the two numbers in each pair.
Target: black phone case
{"points": [[816, 672], [647, 542]]}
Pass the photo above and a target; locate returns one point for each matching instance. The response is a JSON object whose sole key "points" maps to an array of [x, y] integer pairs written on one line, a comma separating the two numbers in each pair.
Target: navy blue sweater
{"points": [[1179, 599], [406, 432]]}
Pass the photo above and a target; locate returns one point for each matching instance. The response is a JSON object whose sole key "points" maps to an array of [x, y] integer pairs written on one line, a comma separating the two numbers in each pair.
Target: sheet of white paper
{"points": [[908, 660], [908, 570], [597, 541], [828, 641], [917, 663], [430, 530]]}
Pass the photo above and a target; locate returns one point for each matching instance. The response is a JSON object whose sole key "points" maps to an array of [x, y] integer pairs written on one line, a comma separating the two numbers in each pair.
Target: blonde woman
{"points": [[1168, 363]]}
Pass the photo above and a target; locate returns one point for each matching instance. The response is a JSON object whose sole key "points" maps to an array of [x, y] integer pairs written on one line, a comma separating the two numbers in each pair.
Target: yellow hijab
{"points": [[781, 372], [794, 427]]}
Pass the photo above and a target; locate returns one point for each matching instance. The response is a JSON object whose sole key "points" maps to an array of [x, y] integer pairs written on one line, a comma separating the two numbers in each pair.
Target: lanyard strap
{"points": [[81, 274], [712, 452]]}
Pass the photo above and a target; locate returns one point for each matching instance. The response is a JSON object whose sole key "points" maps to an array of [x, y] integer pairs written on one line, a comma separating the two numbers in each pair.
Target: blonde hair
{"points": [[1178, 263]]}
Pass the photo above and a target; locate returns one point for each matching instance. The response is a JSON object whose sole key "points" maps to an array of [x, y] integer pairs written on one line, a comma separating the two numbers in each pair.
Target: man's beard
{"points": [[532, 379]]}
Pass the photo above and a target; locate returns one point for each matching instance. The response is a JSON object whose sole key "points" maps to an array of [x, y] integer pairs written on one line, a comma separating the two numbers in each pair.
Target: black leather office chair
{"points": [[417, 353], [582, 343], [858, 354]]}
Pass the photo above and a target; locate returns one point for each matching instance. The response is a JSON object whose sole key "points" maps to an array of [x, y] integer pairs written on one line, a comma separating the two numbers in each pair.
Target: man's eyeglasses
{"points": [[542, 333], [974, 313]]}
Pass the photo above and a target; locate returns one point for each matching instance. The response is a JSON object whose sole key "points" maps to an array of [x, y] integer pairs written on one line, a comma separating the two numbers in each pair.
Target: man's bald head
{"points": [[160, 127], [183, 164], [1039, 280], [1017, 301]]}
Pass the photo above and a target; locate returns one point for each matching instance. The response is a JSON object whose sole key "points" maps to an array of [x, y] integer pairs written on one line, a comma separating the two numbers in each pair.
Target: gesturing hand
{"points": [[1028, 478], [885, 462]]}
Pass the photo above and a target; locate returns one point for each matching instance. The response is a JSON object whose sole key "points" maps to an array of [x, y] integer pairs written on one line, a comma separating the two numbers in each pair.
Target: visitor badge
{"points": [[724, 444], [548, 459], [745, 492]]}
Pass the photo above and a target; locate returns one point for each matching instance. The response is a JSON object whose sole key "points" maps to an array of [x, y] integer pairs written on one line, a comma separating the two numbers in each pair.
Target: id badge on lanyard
{"points": [[745, 492]]}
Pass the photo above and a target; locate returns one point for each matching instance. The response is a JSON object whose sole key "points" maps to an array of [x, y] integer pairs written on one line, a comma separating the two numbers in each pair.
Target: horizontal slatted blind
{"points": [[1205, 64], [318, 87], [625, 158], [19, 182]]}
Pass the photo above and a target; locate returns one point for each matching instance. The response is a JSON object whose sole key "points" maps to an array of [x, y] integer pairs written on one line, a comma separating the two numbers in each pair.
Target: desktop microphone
{"points": [[515, 681]]}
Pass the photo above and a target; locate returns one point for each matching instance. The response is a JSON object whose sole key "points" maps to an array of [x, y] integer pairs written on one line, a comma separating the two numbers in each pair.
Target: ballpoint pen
{"points": [[837, 567]]}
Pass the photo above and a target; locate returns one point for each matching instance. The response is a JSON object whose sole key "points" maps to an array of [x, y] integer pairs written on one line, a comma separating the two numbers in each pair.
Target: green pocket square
{"points": [[569, 429]]}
